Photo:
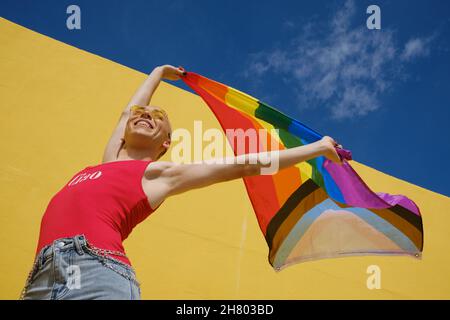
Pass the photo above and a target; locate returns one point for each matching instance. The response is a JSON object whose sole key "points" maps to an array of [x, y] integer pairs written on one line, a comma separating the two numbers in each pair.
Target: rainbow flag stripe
{"points": [[316, 209]]}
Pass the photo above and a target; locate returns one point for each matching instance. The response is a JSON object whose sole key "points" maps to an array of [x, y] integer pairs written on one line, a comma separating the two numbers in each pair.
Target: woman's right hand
{"points": [[172, 73]]}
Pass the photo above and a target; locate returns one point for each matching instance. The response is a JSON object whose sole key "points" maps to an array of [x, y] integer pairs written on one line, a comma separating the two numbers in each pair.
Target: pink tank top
{"points": [[103, 202]]}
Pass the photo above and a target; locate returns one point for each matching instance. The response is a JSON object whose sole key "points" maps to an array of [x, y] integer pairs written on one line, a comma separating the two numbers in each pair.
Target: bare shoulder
{"points": [[153, 183], [156, 169]]}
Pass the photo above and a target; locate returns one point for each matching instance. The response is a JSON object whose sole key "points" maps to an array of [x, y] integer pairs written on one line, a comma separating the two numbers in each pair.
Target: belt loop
{"points": [[78, 240], [83, 240], [40, 258]]}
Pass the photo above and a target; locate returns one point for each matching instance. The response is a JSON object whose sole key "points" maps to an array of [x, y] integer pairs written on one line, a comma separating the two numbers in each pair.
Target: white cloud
{"points": [[288, 24], [416, 48], [342, 68]]}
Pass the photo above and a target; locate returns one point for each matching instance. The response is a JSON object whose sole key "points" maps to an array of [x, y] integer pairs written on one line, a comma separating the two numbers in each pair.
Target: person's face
{"points": [[148, 127]]}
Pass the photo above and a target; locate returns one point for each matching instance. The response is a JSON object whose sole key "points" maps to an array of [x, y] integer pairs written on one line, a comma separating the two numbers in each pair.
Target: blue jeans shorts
{"points": [[69, 269]]}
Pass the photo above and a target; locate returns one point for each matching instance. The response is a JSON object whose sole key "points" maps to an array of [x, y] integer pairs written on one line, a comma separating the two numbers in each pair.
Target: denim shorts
{"points": [[69, 269]]}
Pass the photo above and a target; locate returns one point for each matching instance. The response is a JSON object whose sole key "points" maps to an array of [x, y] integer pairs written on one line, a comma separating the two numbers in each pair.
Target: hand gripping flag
{"points": [[316, 209]]}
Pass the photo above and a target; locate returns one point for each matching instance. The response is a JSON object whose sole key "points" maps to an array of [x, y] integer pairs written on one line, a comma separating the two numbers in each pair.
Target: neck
{"points": [[136, 154]]}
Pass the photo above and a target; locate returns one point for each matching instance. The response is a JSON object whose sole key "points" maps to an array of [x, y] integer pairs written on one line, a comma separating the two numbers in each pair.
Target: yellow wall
{"points": [[59, 106]]}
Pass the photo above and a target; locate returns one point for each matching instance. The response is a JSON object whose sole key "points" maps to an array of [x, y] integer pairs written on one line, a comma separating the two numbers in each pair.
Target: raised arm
{"points": [[141, 97], [166, 179], [145, 92]]}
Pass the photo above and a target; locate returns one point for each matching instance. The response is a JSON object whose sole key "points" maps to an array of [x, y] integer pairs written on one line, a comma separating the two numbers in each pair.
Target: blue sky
{"points": [[383, 94]]}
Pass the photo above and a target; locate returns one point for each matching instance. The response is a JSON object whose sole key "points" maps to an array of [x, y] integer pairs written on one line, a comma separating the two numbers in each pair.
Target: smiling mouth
{"points": [[143, 123]]}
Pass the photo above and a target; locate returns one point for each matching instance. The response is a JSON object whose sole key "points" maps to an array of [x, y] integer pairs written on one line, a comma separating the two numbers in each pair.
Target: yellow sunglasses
{"points": [[138, 110]]}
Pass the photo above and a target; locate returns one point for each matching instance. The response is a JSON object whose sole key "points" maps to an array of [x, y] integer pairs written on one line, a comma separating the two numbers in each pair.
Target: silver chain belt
{"points": [[97, 251], [103, 252]]}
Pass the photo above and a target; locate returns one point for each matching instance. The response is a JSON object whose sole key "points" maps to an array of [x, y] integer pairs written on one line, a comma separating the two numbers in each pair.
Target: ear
{"points": [[166, 144]]}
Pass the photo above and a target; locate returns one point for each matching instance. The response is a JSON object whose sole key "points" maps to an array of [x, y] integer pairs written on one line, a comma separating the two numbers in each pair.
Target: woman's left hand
{"points": [[329, 145]]}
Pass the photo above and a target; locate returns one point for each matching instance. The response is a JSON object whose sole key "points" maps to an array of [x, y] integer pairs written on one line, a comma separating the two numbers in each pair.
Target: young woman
{"points": [[80, 253]]}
